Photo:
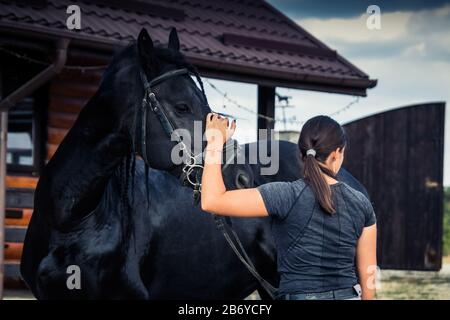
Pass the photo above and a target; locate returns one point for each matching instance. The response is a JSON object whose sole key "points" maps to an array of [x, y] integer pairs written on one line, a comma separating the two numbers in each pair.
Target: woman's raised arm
{"points": [[215, 198]]}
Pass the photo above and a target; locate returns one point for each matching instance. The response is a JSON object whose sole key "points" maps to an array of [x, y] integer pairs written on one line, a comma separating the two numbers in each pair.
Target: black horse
{"points": [[91, 178], [135, 232]]}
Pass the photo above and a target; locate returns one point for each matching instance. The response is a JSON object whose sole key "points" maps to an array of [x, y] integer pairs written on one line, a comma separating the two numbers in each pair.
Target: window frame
{"points": [[40, 103], [36, 141]]}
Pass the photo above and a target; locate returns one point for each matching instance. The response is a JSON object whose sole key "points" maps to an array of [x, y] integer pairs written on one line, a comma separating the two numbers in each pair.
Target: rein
{"points": [[191, 165]]}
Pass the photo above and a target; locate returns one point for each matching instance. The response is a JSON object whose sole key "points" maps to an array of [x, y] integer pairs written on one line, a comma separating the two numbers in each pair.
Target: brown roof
{"points": [[246, 40]]}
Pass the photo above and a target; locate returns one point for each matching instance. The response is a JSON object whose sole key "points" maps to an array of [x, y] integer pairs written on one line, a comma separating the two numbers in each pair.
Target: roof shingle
{"points": [[247, 39]]}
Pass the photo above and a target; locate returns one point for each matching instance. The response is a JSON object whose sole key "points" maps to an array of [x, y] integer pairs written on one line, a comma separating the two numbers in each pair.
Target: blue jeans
{"points": [[353, 293]]}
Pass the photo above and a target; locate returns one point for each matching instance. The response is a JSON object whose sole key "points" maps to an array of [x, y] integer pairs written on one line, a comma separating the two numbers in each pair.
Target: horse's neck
{"points": [[78, 173]]}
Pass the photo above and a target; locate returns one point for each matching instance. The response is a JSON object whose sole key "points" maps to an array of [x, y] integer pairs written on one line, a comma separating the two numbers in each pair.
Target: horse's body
{"points": [[172, 250], [138, 235]]}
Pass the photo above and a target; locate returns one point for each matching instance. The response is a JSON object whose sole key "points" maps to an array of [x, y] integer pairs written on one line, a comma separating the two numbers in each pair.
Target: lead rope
{"points": [[223, 226], [245, 259]]}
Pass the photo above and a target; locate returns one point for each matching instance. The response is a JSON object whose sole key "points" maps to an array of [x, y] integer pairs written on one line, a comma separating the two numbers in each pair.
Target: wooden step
{"points": [[18, 217], [71, 89], [55, 135], [51, 149], [13, 250], [66, 105], [61, 120], [18, 182], [12, 270], [19, 198], [15, 234], [92, 77]]}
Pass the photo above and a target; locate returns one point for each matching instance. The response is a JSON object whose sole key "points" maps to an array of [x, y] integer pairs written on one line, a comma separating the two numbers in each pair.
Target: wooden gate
{"points": [[398, 156]]}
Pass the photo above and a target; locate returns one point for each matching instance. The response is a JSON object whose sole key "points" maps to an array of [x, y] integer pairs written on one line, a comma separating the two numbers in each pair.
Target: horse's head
{"points": [[164, 110]]}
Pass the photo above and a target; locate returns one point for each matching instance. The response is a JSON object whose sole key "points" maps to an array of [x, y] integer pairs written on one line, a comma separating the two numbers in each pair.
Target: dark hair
{"points": [[324, 135]]}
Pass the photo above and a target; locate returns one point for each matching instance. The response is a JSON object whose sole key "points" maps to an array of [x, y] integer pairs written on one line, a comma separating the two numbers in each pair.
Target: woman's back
{"points": [[316, 249], [320, 225]]}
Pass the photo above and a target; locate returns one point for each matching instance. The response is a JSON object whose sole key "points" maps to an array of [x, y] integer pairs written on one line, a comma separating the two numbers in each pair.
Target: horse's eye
{"points": [[182, 107]]}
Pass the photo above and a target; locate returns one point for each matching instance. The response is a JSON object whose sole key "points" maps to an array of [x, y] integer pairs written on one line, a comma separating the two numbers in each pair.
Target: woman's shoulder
{"points": [[294, 186], [299, 183], [355, 194], [287, 190], [280, 196], [363, 203]]}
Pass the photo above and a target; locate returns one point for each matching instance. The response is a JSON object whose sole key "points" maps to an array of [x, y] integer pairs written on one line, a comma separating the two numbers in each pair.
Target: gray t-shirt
{"points": [[315, 250]]}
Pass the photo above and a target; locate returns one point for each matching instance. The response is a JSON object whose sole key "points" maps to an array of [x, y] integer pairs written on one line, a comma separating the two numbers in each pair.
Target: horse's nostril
{"points": [[242, 181]]}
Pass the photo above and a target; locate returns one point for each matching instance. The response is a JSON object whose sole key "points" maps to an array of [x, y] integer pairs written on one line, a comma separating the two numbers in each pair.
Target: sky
{"points": [[409, 55]]}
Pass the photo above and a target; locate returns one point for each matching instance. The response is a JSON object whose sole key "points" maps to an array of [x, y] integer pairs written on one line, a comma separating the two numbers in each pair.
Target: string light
{"points": [[292, 120], [225, 96]]}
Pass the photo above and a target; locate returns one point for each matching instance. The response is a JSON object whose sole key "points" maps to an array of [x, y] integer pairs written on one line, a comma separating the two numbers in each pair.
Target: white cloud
{"points": [[394, 25], [425, 33], [418, 49]]}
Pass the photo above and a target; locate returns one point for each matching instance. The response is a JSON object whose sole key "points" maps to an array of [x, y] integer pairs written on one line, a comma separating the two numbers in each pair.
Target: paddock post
{"points": [[266, 107], [3, 138]]}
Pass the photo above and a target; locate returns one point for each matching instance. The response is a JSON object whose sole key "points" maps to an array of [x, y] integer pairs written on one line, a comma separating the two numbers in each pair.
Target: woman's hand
{"points": [[218, 129]]}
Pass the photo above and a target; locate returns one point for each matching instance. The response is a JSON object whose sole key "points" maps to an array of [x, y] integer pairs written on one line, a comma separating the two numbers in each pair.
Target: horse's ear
{"points": [[174, 42], [145, 44]]}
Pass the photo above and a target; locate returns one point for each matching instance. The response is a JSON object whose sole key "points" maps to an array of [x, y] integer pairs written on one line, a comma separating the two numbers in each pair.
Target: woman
{"points": [[320, 225]]}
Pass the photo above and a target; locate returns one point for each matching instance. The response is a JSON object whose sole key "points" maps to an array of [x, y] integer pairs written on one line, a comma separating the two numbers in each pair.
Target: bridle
{"points": [[193, 162]]}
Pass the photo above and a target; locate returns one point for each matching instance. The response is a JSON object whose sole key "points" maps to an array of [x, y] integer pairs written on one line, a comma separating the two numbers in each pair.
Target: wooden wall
{"points": [[398, 156]]}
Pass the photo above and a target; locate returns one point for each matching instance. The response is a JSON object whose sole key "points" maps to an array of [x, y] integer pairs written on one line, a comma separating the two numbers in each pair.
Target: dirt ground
{"points": [[415, 285], [411, 285]]}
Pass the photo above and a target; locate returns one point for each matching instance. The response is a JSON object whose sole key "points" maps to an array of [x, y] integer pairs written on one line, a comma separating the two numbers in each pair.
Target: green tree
{"points": [[446, 236]]}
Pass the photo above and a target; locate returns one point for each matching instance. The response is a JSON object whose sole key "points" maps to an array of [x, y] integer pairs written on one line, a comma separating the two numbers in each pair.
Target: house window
{"points": [[24, 148], [24, 145], [21, 147]]}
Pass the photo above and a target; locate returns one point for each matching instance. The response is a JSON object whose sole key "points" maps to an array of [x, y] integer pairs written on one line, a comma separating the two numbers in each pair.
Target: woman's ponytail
{"points": [[319, 137], [321, 189]]}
